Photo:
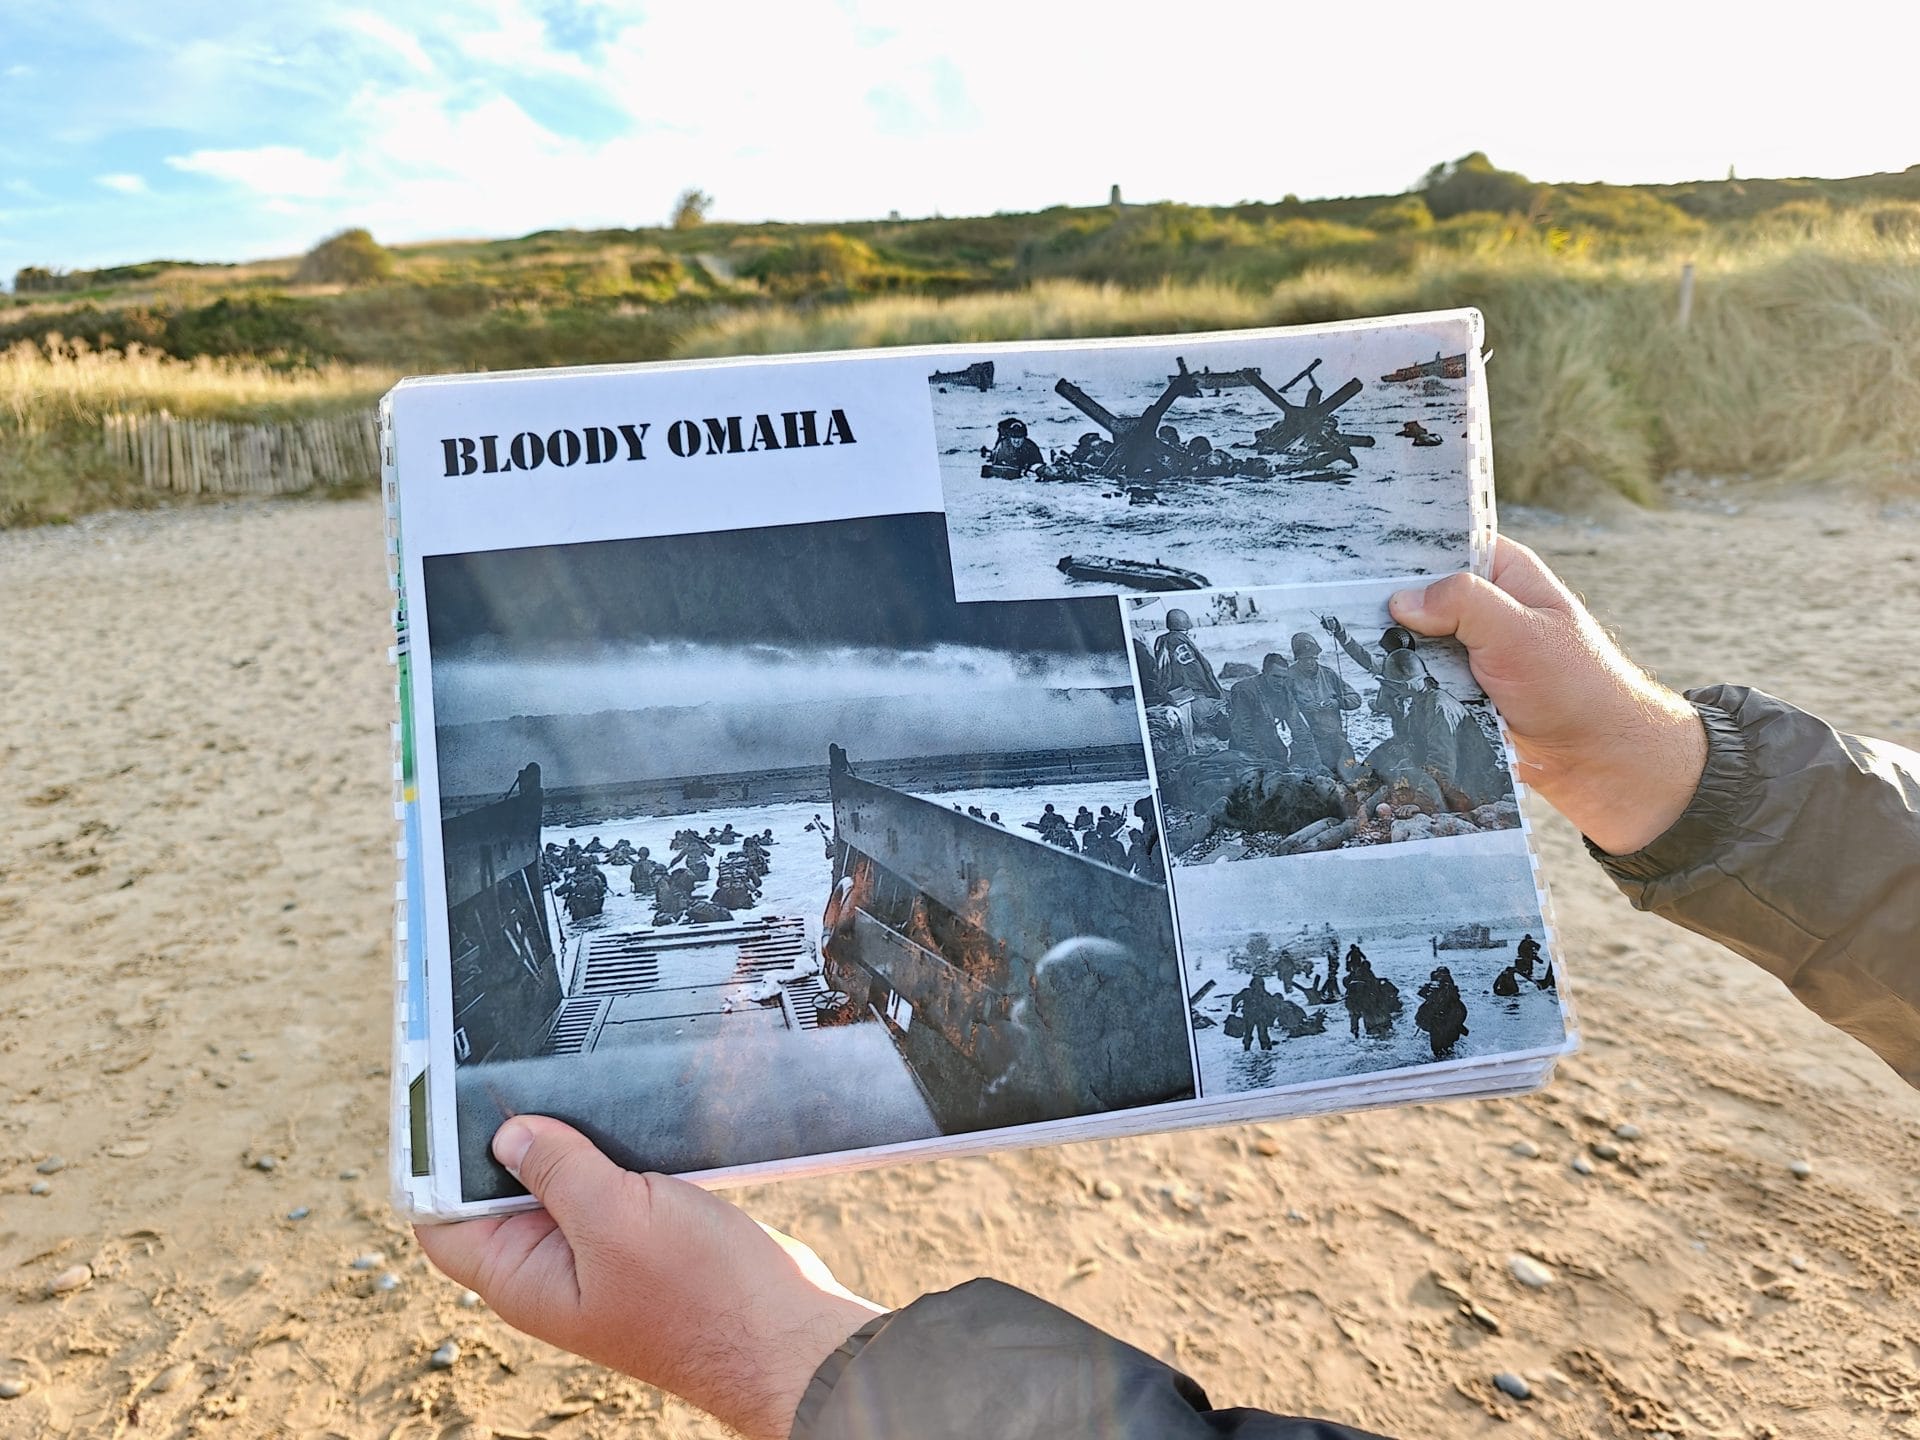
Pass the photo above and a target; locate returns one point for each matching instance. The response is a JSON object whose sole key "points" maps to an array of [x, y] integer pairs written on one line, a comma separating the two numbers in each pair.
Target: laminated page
{"points": [[820, 761]]}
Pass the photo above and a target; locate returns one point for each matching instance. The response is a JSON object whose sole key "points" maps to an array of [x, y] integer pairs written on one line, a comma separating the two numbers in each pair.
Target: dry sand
{"points": [[194, 946]]}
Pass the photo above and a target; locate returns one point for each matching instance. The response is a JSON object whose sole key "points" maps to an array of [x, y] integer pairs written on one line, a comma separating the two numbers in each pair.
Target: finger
{"points": [[588, 1195], [1524, 575], [1476, 612], [458, 1251]]}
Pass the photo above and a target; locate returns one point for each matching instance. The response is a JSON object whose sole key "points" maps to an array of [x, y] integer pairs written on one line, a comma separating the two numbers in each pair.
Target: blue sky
{"points": [[218, 131]]}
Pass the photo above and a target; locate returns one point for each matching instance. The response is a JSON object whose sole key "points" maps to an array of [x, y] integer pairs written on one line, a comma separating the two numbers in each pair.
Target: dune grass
{"points": [[53, 399], [1801, 360]]}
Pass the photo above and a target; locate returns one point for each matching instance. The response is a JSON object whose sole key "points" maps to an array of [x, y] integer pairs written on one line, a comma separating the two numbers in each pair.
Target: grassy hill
{"points": [[1800, 359]]}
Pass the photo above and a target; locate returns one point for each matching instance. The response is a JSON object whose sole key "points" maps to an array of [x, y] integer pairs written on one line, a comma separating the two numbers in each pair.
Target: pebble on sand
{"points": [[1626, 1132], [446, 1357], [1582, 1165], [469, 1300], [14, 1389], [74, 1277], [39, 1187], [299, 1212], [349, 1174], [1106, 1189], [1484, 1318], [170, 1378], [52, 1165], [1525, 1149], [1605, 1150], [1267, 1145], [372, 1260], [1800, 1169], [387, 1282], [265, 1162], [1530, 1272], [1509, 1383]]}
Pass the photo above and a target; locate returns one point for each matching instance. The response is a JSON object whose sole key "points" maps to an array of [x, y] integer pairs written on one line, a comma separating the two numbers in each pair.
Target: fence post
{"points": [[1686, 295]]}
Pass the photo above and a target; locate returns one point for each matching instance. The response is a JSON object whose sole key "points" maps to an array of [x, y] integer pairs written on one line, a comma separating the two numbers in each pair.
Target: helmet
{"points": [[1179, 620], [1304, 645], [1199, 445], [1400, 666], [1014, 426], [1396, 637]]}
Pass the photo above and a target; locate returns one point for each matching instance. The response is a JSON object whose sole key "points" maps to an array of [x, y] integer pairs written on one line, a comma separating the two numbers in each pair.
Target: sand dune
{"points": [[194, 923]]}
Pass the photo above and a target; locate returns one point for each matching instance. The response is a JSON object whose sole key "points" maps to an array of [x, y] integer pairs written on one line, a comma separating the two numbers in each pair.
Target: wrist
{"points": [[1627, 786], [795, 1348]]}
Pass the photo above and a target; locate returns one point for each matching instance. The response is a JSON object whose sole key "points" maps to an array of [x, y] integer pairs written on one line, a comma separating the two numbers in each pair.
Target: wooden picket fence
{"points": [[218, 457]]}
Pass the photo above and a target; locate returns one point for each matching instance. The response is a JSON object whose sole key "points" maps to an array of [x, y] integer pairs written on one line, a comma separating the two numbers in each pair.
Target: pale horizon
{"points": [[129, 135]]}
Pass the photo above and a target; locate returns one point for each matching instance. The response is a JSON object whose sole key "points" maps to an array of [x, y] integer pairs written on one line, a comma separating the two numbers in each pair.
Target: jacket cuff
{"points": [[820, 1388], [1710, 818]]}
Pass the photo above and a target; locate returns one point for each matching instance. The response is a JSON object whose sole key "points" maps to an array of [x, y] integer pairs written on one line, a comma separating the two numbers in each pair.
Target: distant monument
{"points": [[1113, 197]]}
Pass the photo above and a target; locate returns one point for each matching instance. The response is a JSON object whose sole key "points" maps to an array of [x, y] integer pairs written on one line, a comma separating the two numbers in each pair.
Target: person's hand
{"points": [[1609, 747], [653, 1277]]}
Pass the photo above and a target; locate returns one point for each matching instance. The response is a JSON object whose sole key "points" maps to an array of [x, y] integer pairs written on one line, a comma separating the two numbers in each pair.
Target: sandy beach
{"points": [[195, 923]]}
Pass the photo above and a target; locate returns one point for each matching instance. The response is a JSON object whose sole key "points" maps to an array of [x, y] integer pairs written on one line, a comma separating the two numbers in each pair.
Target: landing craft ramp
{"points": [[1020, 982]]}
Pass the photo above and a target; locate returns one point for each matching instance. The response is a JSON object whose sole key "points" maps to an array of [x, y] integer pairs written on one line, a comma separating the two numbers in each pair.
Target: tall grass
{"points": [[53, 464], [1801, 360]]}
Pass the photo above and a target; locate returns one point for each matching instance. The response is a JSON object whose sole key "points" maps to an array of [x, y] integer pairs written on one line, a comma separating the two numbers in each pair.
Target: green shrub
{"points": [[1474, 183], [1408, 212], [352, 257]]}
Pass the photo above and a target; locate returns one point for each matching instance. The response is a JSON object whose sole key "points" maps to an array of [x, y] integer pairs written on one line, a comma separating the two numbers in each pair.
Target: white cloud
{"points": [[516, 40], [388, 38], [267, 170], [17, 72], [124, 184]]}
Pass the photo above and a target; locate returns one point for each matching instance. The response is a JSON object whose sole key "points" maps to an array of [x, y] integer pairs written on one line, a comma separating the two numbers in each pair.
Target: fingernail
{"points": [[1407, 600], [510, 1145]]}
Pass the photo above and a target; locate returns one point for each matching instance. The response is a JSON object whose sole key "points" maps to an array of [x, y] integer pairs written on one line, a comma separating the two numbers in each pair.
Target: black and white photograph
{"points": [[1287, 722], [1365, 962], [759, 846], [1263, 460]]}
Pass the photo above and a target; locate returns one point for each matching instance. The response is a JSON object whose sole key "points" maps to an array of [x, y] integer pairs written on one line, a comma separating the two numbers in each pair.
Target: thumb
{"points": [[1480, 615], [584, 1191]]}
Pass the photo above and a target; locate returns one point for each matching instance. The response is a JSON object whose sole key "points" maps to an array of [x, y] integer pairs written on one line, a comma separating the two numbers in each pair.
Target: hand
{"points": [[653, 1277], [1331, 624], [1612, 749]]}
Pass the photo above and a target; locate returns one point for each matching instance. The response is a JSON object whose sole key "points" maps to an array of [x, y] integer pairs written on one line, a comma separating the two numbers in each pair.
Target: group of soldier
{"points": [[1013, 455], [1292, 714], [1373, 1002], [574, 871], [1526, 959], [1106, 837]]}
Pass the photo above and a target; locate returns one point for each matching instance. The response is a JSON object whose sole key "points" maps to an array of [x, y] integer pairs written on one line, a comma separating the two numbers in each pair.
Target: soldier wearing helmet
{"points": [[1181, 662], [1391, 698], [1322, 697], [1013, 454]]}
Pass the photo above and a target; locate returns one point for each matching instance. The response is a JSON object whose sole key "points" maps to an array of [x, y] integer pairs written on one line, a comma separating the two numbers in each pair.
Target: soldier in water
{"points": [[1526, 955], [1255, 1007], [1013, 454], [1442, 1013], [646, 872]]}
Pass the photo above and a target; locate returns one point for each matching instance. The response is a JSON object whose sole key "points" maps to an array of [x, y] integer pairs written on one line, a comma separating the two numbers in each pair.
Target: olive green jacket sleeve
{"points": [[985, 1361], [1800, 851]]}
